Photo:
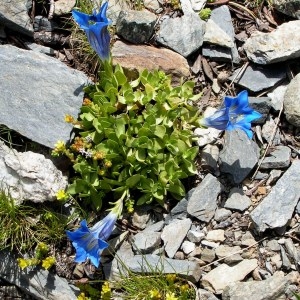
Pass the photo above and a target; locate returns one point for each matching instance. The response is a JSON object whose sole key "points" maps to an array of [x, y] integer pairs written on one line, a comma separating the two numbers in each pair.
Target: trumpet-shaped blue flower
{"points": [[95, 27], [236, 113], [90, 242]]}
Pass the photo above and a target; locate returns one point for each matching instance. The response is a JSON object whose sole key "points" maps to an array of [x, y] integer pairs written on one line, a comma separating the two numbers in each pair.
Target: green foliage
{"points": [[205, 13], [23, 226], [154, 287], [40, 257], [134, 139]]}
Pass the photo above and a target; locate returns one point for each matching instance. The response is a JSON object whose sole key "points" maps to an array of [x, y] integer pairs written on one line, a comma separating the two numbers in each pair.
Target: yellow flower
{"points": [[105, 291], [69, 119], [48, 262], [60, 146], [171, 278], [61, 195], [171, 296], [155, 294], [82, 297], [23, 263], [108, 164]]}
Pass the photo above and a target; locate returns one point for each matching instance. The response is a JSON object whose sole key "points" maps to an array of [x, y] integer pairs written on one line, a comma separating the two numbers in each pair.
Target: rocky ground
{"points": [[236, 233]]}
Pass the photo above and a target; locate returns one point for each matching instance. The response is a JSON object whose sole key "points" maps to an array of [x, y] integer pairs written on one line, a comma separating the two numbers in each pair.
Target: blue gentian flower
{"points": [[95, 27], [90, 242], [236, 113]]}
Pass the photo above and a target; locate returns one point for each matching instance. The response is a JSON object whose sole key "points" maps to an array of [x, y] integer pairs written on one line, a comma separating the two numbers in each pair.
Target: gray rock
{"points": [[237, 200], [208, 255], [279, 158], [273, 245], [141, 217], [262, 105], [136, 26], [222, 214], [150, 263], [206, 135], [37, 107], [44, 24], [206, 295], [39, 283], [268, 48], [222, 17], [217, 279], [271, 289], [152, 4], [63, 7], [256, 78], [29, 176], [229, 254], [217, 36], [281, 201], [216, 235], [195, 236], [115, 7], [183, 35], [186, 7], [117, 268], [178, 212], [156, 227], [268, 132], [277, 96], [291, 102], [292, 250], [288, 7], [188, 247], [286, 264], [209, 158], [146, 242], [40, 49], [174, 234], [232, 158], [14, 14], [203, 201], [197, 5]]}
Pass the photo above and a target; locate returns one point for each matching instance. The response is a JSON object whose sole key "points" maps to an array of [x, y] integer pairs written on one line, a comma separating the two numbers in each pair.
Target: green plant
{"points": [[205, 13], [134, 139], [23, 226], [152, 285], [40, 257]]}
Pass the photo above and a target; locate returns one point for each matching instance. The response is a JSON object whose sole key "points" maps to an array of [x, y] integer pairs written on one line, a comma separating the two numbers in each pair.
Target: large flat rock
{"points": [[37, 91]]}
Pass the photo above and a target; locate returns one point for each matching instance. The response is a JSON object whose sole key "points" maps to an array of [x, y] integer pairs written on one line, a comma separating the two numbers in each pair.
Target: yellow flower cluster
{"points": [[61, 195], [48, 262], [106, 291]]}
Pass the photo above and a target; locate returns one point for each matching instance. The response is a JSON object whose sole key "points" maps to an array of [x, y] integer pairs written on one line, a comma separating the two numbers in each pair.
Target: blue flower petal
{"points": [[99, 38], [89, 243], [238, 112], [95, 27], [82, 19]]}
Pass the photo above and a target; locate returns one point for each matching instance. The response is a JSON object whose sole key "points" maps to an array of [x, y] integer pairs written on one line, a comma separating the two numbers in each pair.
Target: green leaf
{"points": [[133, 180], [144, 199], [140, 154], [160, 131], [121, 78], [176, 187], [191, 153], [78, 186]]}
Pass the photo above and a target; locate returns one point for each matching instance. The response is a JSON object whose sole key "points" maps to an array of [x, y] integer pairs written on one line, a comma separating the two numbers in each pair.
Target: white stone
{"points": [[216, 235], [279, 45], [217, 36], [195, 236], [29, 176], [174, 234], [217, 279], [187, 247]]}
